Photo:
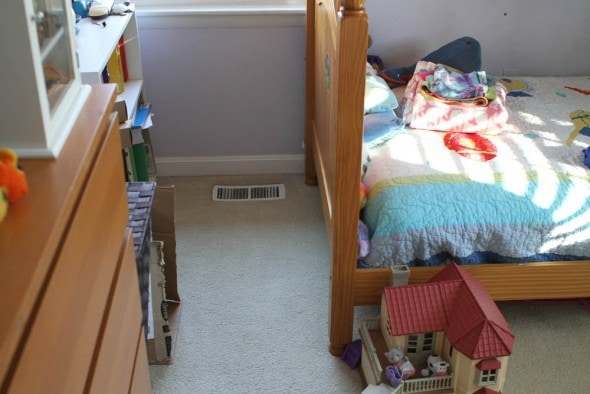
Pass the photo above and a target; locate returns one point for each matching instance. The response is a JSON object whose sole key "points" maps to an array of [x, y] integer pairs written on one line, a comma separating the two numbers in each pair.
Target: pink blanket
{"points": [[424, 111]]}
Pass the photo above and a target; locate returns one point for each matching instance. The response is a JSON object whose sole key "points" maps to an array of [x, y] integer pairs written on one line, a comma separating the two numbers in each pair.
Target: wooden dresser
{"points": [[71, 315]]}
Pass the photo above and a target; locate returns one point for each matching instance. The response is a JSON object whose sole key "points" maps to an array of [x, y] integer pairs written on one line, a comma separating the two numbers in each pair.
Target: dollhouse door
{"points": [[419, 347]]}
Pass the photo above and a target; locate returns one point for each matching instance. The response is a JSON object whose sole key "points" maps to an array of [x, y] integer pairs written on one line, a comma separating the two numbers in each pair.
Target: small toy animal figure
{"points": [[437, 365], [13, 183], [397, 357]]}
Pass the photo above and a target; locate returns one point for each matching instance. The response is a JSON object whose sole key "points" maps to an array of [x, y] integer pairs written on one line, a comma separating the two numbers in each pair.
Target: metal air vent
{"points": [[248, 193]]}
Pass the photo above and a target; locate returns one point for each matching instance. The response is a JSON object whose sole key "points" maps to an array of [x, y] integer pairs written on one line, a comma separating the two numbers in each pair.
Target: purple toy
{"points": [[394, 375], [352, 354]]}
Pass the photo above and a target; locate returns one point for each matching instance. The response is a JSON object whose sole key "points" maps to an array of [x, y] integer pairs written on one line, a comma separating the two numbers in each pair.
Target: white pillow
{"points": [[378, 96]]}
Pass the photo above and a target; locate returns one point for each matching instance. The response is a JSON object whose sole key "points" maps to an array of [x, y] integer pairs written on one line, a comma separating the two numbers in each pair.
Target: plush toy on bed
{"points": [[586, 153], [463, 54], [363, 243], [13, 183]]}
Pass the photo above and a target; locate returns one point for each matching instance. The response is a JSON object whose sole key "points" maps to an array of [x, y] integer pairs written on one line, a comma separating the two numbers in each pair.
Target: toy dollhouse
{"points": [[448, 330]]}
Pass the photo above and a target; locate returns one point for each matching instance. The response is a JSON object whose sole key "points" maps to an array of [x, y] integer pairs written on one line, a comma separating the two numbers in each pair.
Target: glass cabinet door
{"points": [[42, 93], [54, 42]]}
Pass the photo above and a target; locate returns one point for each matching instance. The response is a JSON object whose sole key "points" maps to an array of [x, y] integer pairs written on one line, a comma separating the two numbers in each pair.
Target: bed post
{"points": [[350, 75]]}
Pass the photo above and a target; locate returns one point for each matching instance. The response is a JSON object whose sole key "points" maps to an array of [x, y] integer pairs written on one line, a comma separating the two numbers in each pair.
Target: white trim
{"points": [[224, 4], [230, 165], [182, 17]]}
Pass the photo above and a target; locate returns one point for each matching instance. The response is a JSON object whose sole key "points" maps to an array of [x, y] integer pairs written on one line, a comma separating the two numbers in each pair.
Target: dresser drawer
{"points": [[141, 382], [59, 348], [116, 355]]}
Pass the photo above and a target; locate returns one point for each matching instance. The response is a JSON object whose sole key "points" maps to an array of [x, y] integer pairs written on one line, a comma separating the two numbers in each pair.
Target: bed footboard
{"points": [[337, 37]]}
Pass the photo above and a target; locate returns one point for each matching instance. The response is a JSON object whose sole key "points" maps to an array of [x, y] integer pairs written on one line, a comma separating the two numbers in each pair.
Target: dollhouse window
{"points": [[488, 377], [488, 371], [420, 345], [428, 342]]}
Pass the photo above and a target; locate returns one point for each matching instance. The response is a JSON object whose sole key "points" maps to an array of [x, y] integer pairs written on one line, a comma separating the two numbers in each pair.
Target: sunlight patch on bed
{"points": [[513, 173], [570, 233], [576, 198], [531, 119], [515, 180], [560, 122], [547, 188], [409, 155]]}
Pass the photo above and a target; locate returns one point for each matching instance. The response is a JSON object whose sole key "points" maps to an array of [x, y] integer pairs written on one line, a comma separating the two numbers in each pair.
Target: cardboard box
{"points": [[167, 318], [159, 337], [164, 229], [121, 108]]}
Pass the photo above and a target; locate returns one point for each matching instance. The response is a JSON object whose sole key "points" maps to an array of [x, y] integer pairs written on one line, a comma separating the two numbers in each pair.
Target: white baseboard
{"points": [[230, 165]]}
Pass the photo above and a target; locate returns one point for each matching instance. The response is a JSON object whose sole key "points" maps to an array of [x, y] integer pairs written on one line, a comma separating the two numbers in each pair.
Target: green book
{"points": [[130, 169], [141, 162]]}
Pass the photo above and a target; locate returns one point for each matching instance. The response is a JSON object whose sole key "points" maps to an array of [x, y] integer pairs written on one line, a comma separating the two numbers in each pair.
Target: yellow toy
{"points": [[13, 183], [363, 196]]}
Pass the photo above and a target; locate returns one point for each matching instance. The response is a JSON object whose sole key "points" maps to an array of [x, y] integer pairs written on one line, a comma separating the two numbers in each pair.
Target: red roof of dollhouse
{"points": [[455, 302]]}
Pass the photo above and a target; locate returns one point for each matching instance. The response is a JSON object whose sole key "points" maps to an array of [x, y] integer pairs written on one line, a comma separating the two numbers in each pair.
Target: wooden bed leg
{"points": [[340, 331], [349, 79], [342, 296]]}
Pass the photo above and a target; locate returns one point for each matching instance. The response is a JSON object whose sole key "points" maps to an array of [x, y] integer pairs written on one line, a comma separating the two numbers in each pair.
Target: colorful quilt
{"points": [[521, 195]]}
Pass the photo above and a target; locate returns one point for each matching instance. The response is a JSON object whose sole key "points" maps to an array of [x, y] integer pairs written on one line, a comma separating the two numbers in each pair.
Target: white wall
{"points": [[231, 99]]}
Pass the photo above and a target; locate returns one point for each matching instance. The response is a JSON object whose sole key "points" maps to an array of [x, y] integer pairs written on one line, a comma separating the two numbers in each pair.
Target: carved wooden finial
{"points": [[353, 5]]}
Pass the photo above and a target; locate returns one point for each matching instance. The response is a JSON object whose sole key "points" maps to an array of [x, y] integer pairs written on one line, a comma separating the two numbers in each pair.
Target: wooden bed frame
{"points": [[337, 38]]}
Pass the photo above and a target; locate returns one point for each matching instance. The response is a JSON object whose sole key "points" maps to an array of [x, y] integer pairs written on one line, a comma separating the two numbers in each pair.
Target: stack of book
{"points": [[116, 68], [137, 147]]}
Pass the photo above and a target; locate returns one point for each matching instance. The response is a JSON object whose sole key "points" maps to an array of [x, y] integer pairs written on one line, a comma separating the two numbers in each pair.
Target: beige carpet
{"points": [[254, 280]]}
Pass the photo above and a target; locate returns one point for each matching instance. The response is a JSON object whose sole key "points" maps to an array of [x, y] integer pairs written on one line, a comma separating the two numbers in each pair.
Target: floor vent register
{"points": [[249, 193]]}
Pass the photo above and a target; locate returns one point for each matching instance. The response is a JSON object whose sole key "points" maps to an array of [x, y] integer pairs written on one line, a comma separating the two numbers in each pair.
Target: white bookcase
{"points": [[97, 39]]}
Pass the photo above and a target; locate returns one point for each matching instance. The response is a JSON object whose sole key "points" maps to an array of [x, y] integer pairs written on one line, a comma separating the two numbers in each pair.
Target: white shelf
{"points": [[131, 96], [97, 40]]}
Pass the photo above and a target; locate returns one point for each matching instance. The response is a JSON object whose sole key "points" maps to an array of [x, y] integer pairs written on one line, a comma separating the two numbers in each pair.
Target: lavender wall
{"points": [[225, 91], [526, 37]]}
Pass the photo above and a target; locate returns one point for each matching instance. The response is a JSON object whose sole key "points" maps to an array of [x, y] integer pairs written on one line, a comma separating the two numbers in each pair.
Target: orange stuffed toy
{"points": [[13, 183]]}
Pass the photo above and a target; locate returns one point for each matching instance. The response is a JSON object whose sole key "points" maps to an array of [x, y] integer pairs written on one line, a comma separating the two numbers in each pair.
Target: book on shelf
{"points": [[136, 141], [151, 162], [139, 155], [104, 76], [123, 59], [142, 116], [115, 69], [141, 151], [130, 168]]}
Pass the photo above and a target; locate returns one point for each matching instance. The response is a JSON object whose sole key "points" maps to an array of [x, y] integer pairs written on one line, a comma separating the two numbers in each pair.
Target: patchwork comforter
{"points": [[521, 195]]}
